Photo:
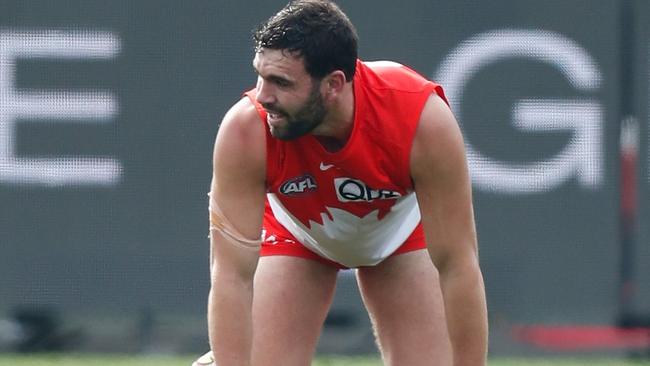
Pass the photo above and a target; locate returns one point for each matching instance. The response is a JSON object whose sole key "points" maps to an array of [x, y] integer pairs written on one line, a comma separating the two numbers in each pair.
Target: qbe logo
{"points": [[353, 190]]}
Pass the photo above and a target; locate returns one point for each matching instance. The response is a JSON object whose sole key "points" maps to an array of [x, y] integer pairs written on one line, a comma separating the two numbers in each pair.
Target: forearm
{"points": [[229, 321], [466, 312]]}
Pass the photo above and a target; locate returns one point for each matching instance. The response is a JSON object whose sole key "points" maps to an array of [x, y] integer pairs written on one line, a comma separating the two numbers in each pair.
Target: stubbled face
{"points": [[290, 96]]}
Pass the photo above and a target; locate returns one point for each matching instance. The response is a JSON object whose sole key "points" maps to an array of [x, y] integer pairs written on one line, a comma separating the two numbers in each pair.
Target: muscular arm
{"points": [[443, 188], [238, 190]]}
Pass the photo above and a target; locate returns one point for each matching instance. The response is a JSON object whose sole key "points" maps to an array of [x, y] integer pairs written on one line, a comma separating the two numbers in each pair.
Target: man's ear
{"points": [[333, 84]]}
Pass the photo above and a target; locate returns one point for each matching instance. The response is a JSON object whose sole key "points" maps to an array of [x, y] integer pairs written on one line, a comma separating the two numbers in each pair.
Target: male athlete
{"points": [[331, 163]]}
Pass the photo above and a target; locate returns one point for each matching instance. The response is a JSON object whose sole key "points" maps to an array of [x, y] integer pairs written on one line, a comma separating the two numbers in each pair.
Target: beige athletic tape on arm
{"points": [[219, 222]]}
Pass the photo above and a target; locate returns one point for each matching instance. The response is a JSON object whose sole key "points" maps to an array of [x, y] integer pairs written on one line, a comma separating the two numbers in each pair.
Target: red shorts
{"points": [[285, 244]]}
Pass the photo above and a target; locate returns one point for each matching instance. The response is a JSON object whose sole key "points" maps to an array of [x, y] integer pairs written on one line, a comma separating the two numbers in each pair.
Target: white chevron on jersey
{"points": [[349, 239]]}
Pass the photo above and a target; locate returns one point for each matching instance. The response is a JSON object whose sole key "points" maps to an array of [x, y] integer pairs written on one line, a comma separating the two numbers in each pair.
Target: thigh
{"points": [[291, 298], [404, 301]]}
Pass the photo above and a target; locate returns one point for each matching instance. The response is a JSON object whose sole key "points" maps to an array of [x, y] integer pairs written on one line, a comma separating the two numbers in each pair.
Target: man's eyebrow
{"points": [[274, 77], [277, 78]]}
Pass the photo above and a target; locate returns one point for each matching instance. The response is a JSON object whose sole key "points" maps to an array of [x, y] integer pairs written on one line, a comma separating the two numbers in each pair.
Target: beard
{"points": [[305, 120]]}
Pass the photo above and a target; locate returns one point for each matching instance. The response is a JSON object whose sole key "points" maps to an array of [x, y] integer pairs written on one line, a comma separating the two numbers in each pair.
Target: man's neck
{"points": [[335, 131]]}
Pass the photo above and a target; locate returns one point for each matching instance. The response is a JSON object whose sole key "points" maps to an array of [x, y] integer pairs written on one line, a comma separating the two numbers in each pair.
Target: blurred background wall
{"points": [[108, 112]]}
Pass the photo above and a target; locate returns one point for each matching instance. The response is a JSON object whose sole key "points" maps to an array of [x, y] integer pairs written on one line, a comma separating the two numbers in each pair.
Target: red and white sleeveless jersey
{"points": [[355, 206]]}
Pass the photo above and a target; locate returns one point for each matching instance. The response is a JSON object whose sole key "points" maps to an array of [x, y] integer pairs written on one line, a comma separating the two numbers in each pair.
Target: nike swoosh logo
{"points": [[324, 167]]}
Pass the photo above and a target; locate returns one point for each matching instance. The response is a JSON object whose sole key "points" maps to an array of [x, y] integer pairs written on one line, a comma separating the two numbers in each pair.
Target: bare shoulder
{"points": [[241, 138], [438, 143], [241, 123]]}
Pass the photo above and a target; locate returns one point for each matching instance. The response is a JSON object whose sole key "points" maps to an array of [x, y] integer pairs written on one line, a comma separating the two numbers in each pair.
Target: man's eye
{"points": [[283, 83]]}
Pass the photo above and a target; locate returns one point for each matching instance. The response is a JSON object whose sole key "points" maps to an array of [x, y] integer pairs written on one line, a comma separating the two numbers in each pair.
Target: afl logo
{"points": [[298, 185]]}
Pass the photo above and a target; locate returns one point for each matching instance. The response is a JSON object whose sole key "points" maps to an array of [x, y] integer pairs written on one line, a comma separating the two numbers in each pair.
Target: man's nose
{"points": [[264, 93]]}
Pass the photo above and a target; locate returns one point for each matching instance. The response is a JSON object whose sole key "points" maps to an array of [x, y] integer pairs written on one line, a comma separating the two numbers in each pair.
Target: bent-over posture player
{"points": [[331, 162]]}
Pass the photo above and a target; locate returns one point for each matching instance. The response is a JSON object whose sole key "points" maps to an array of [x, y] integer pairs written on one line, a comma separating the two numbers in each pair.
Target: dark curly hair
{"points": [[318, 31]]}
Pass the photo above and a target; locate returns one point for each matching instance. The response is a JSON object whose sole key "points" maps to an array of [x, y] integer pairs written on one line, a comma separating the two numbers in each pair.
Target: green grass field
{"points": [[98, 360]]}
